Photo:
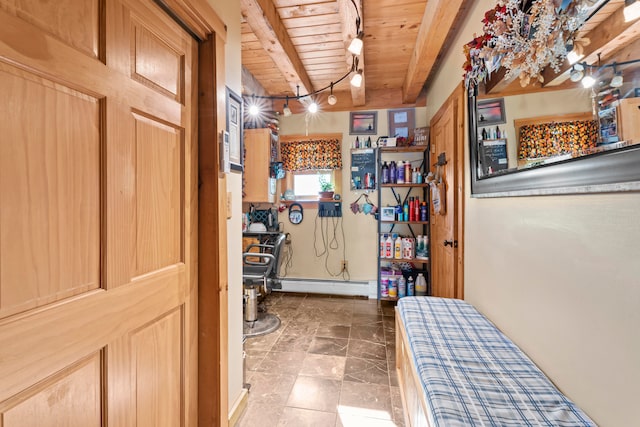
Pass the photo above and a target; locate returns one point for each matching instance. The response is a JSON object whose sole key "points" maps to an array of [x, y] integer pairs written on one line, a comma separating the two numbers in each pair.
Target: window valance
{"points": [[315, 154]]}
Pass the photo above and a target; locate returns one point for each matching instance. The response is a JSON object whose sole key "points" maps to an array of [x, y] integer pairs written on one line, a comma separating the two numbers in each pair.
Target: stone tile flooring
{"points": [[331, 363]]}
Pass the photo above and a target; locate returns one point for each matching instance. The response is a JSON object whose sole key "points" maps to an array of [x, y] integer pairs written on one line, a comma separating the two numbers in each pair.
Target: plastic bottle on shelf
{"points": [[400, 176], [397, 247], [416, 209], [393, 287], [411, 289], [369, 142], [388, 247], [421, 285], [384, 286], [424, 212], [383, 242], [412, 211], [392, 172], [405, 211], [357, 143], [402, 287], [407, 172], [385, 173]]}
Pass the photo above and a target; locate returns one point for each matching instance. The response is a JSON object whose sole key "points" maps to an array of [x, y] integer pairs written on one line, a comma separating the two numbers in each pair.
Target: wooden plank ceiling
{"points": [[291, 45]]}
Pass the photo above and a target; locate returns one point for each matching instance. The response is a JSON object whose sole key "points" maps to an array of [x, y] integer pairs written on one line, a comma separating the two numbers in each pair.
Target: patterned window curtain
{"points": [[316, 154]]}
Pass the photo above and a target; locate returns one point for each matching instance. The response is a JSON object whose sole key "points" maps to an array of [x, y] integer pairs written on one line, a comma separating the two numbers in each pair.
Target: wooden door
{"points": [[447, 230], [98, 171]]}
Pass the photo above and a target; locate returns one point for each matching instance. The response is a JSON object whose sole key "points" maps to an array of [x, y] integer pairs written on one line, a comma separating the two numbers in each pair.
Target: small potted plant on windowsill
{"points": [[326, 188]]}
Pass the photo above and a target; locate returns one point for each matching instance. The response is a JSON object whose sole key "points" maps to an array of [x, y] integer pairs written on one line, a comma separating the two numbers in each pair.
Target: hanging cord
{"points": [[328, 242], [288, 257], [345, 273]]}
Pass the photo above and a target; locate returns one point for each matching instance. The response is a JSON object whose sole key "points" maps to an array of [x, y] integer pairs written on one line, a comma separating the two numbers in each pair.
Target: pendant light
{"points": [[286, 111], [332, 98], [617, 79]]}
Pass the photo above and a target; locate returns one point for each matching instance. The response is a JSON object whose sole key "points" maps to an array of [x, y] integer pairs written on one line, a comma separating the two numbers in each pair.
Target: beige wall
{"points": [[229, 12], [559, 275], [360, 231]]}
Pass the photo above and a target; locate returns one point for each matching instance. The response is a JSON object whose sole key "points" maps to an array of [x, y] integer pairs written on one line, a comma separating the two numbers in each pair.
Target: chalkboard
{"points": [[493, 155], [363, 169]]}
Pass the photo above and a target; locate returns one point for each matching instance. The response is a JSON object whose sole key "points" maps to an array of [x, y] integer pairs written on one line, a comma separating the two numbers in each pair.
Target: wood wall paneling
{"points": [[50, 191]]}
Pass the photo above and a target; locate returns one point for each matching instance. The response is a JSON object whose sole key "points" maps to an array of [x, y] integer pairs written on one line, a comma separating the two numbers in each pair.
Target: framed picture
{"points": [[402, 123], [363, 123], [491, 112], [235, 127]]}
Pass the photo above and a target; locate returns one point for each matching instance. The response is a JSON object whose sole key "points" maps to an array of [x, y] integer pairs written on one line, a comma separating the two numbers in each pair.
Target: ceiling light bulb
{"points": [[332, 99], [286, 111], [576, 73], [356, 80], [574, 57], [312, 108], [631, 10], [254, 110], [617, 80], [588, 81], [356, 44]]}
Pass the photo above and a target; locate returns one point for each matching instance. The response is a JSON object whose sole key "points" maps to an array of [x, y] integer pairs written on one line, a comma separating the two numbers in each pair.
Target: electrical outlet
{"points": [[345, 265]]}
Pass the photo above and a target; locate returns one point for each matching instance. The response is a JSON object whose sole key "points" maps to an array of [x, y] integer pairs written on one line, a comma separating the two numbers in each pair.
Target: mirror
{"points": [[565, 138]]}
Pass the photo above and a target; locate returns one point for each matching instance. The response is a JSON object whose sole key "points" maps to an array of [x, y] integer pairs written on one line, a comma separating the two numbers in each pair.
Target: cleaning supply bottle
{"points": [[402, 287], [397, 253], [383, 241], [388, 247], [393, 287], [411, 291], [421, 285]]}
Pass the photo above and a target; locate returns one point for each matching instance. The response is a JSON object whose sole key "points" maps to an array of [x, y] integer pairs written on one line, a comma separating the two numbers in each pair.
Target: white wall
{"points": [[360, 230], [229, 12], [560, 275]]}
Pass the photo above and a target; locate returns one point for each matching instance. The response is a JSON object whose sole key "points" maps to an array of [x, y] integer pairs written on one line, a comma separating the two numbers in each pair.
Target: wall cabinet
{"points": [[409, 263], [259, 187]]}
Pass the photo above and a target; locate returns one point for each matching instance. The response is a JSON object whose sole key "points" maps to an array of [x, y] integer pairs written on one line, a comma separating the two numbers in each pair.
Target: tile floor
{"points": [[331, 363]]}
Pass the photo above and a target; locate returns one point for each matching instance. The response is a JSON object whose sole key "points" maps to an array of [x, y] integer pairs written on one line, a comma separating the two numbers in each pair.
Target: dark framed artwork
{"points": [[363, 123], [491, 112], [235, 129], [402, 123]]}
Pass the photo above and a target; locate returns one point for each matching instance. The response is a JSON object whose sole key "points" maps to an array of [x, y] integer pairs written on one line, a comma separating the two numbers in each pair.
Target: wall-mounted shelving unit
{"points": [[400, 193]]}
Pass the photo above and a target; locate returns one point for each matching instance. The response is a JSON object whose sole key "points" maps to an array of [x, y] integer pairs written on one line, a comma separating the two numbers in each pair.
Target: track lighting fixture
{"points": [[286, 111], [356, 80], [617, 80], [588, 81], [356, 44], [577, 73], [332, 98], [631, 10], [312, 108]]}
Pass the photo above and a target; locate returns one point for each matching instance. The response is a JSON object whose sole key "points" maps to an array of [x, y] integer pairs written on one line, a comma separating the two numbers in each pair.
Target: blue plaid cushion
{"points": [[473, 375]]}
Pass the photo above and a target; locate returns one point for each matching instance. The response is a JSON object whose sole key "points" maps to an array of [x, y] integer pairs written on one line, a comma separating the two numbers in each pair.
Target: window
{"points": [[307, 184], [309, 159]]}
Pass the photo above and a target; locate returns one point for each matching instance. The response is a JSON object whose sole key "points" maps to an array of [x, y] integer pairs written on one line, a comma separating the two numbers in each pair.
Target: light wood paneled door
{"points": [[447, 136], [98, 215]]}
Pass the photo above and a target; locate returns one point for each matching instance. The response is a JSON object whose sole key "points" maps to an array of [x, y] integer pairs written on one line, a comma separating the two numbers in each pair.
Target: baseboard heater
{"points": [[331, 287]]}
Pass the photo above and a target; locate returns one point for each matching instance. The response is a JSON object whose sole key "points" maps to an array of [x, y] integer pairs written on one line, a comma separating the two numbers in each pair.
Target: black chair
{"points": [[263, 266]]}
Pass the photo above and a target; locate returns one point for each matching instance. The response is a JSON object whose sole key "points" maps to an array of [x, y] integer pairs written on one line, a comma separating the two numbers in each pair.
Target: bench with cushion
{"points": [[456, 368]]}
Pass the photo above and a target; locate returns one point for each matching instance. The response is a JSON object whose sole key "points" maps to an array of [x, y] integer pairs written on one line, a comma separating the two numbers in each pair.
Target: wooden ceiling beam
{"points": [[607, 37], [263, 18], [348, 18], [439, 16]]}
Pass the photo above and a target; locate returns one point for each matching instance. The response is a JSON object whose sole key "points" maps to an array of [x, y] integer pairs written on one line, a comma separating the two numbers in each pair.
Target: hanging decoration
{"points": [[525, 42]]}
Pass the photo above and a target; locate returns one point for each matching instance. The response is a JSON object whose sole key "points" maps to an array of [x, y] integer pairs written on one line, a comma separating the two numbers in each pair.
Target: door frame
{"points": [[457, 99], [200, 20]]}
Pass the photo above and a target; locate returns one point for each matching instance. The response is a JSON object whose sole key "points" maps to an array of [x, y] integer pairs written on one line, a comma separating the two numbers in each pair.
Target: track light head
{"points": [[355, 47], [312, 108], [577, 73], [356, 80]]}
